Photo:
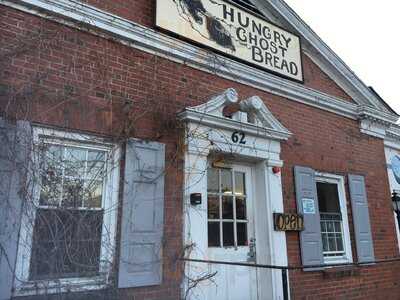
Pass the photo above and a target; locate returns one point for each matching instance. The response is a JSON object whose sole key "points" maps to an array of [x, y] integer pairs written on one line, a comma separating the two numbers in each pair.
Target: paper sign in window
{"points": [[308, 206]]}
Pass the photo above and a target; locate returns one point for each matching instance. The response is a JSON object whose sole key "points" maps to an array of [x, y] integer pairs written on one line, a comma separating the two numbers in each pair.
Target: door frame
{"points": [[271, 244], [209, 135]]}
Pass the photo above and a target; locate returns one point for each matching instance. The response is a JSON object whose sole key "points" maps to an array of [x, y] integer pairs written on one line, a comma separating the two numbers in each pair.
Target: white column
{"points": [[279, 248], [195, 218]]}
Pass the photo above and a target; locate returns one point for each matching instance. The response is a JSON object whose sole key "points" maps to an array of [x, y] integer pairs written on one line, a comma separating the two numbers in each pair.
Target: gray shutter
{"points": [[142, 215], [310, 237], [362, 225], [14, 143]]}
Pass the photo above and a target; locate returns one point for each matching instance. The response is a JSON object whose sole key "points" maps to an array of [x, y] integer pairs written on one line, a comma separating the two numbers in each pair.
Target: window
{"points": [[227, 213], [70, 231], [333, 216]]}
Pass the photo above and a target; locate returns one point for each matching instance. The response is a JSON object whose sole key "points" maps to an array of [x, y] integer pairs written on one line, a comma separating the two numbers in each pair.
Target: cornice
{"points": [[375, 115], [154, 42], [392, 138], [74, 13], [320, 52]]}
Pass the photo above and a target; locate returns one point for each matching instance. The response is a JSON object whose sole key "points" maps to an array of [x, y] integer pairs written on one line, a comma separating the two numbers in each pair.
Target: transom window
{"points": [[333, 218], [227, 212]]}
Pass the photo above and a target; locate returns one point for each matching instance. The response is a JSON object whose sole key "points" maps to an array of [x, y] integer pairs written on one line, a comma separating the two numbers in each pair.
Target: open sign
{"points": [[288, 222]]}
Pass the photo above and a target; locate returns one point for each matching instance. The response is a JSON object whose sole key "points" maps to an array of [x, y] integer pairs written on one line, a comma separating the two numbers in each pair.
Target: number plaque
{"points": [[238, 137]]}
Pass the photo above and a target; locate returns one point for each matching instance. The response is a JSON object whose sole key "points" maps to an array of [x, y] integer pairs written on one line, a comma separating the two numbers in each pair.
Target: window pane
{"points": [[323, 226], [73, 192], [241, 208], [242, 234], [94, 191], [325, 242], [74, 161], [227, 207], [52, 159], [328, 198], [339, 242], [228, 234], [240, 188], [66, 243], [338, 227], [331, 242], [226, 181], [213, 207], [95, 164], [50, 190], [330, 227], [51, 175], [213, 234], [212, 180]]}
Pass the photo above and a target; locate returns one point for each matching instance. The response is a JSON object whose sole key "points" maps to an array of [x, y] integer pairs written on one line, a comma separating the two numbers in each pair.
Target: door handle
{"points": [[251, 256]]}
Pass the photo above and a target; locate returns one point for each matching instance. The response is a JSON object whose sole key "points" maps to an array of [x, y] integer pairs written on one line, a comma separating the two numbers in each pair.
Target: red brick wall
{"points": [[59, 76]]}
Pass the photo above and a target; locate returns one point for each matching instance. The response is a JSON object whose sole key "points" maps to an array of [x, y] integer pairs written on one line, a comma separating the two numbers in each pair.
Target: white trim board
{"points": [[151, 41]]}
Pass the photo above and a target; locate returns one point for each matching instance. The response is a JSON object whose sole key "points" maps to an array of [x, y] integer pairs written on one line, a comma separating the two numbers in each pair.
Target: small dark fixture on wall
{"points": [[396, 205], [195, 199]]}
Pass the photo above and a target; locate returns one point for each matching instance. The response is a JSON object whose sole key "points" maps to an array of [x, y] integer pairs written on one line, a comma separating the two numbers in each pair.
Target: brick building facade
{"points": [[100, 76]]}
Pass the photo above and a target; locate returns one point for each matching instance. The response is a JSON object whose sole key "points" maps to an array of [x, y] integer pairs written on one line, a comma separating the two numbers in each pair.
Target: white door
{"points": [[231, 233]]}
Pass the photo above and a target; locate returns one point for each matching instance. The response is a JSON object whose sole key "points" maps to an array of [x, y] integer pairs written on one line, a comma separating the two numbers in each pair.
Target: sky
{"points": [[365, 34]]}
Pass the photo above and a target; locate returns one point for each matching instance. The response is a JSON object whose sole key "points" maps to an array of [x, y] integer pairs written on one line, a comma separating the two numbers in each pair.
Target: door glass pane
{"points": [[213, 234], [240, 188], [226, 181], [227, 207], [241, 208], [212, 180], [213, 207], [228, 234], [242, 234]]}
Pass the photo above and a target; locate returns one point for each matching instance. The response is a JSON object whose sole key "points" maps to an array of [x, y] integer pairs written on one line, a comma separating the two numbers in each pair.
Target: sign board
{"points": [[288, 222], [234, 31], [308, 206]]}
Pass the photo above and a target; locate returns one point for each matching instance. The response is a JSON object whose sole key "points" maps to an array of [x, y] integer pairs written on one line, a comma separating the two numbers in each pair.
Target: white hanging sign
{"points": [[234, 31]]}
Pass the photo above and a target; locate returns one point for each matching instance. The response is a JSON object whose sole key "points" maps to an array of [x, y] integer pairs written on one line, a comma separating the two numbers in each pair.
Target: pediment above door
{"points": [[249, 130], [251, 116]]}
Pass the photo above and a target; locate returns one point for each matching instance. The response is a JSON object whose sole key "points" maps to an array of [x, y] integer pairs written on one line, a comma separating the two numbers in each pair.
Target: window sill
{"points": [[43, 287], [340, 272]]}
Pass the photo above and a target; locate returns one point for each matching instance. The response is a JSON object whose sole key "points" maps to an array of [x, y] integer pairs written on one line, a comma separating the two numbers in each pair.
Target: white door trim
{"points": [[208, 135]]}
